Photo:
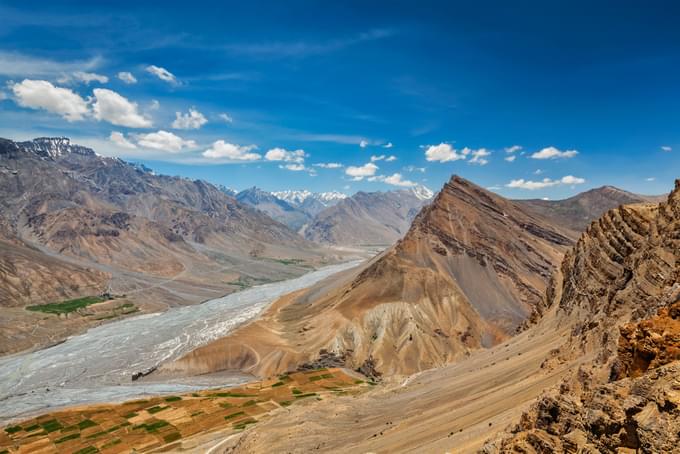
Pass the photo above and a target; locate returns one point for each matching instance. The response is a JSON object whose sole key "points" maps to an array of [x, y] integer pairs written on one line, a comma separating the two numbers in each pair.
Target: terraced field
{"points": [[165, 423]]}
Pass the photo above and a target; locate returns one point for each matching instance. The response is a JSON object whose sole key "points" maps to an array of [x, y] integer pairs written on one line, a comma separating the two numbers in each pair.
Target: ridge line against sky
{"points": [[355, 96]]}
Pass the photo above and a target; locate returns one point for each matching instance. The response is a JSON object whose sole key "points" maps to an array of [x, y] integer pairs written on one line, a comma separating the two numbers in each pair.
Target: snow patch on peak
{"points": [[55, 147], [422, 192], [299, 197]]}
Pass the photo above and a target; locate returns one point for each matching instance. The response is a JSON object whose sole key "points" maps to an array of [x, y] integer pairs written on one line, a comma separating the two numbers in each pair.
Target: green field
{"points": [[66, 306]]}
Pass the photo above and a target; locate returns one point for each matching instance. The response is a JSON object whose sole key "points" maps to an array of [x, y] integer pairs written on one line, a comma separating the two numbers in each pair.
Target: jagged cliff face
{"points": [[467, 273], [621, 295]]}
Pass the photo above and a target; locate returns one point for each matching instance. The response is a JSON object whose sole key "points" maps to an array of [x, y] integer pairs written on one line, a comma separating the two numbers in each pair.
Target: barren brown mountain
{"points": [[470, 270], [77, 224]]}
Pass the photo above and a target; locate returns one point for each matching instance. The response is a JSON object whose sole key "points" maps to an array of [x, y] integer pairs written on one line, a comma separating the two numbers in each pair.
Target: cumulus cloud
{"points": [[388, 145], [86, 77], [510, 158], [162, 73], [478, 156], [127, 77], [390, 158], [375, 158], [41, 94], [226, 118], [229, 151], [397, 180], [116, 109], [120, 140], [513, 149], [666, 148], [554, 153], [361, 172], [545, 183], [192, 120], [281, 154], [363, 143], [328, 165], [443, 152], [414, 169], [165, 141]]}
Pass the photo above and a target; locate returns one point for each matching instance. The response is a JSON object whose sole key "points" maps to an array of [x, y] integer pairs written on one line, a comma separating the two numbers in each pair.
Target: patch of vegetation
{"points": [[67, 438], [250, 403], [132, 414], [230, 394], [300, 396], [243, 424], [32, 428], [296, 391], [285, 403], [316, 378], [155, 409], [114, 442], [196, 413], [174, 436], [92, 449], [285, 378], [69, 429], [235, 415], [95, 435], [86, 423], [226, 405], [66, 306], [13, 429], [278, 383], [154, 426], [173, 399], [51, 425]]}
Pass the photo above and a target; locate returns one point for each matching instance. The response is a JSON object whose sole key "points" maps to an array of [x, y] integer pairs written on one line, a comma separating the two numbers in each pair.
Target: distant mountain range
{"points": [[373, 218]]}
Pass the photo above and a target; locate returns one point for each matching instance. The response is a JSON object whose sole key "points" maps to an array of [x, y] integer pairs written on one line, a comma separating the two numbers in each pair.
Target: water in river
{"points": [[97, 365]]}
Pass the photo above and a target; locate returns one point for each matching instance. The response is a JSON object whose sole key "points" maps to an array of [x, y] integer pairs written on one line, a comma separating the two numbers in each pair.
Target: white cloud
{"points": [[510, 158], [120, 140], [294, 167], [666, 148], [232, 152], [570, 179], [388, 145], [443, 152], [375, 158], [513, 149], [363, 143], [329, 165], [390, 158], [226, 118], [127, 77], [165, 141], [154, 105], [553, 153], [414, 169], [40, 94], [545, 183], [650, 179], [478, 156], [361, 172], [538, 172], [118, 110], [162, 73], [192, 120], [396, 180], [281, 154], [86, 77]]}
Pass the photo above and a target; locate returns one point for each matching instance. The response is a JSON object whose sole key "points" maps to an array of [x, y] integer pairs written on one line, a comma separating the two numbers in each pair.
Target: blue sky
{"points": [[270, 93]]}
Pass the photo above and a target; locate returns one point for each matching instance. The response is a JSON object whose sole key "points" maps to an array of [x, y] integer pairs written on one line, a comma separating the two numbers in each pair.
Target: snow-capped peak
{"points": [[55, 147], [422, 192], [298, 197]]}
